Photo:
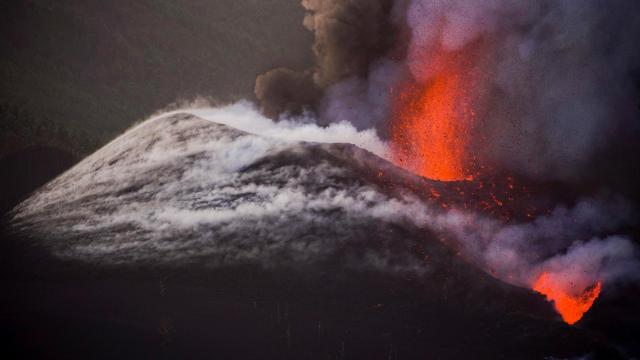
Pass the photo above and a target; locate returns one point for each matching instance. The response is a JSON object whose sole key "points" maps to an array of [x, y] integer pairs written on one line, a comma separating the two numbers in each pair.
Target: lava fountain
{"points": [[570, 306], [432, 121], [431, 135]]}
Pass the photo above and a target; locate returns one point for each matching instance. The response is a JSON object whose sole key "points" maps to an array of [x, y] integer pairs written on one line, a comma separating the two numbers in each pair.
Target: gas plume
{"points": [[350, 36], [550, 83], [468, 89]]}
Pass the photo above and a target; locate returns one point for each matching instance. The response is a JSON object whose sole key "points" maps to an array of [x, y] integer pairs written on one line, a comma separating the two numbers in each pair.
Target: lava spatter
{"points": [[433, 119], [571, 307]]}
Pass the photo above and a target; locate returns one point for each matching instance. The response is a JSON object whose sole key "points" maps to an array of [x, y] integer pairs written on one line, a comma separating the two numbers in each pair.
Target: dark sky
{"points": [[100, 65]]}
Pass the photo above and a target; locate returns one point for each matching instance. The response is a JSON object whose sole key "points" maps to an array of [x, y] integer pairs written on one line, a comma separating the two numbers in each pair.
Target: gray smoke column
{"points": [[555, 101], [351, 37], [557, 90]]}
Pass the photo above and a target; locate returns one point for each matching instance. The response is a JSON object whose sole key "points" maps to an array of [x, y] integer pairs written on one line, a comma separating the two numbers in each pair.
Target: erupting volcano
{"points": [[571, 307], [431, 135], [332, 179]]}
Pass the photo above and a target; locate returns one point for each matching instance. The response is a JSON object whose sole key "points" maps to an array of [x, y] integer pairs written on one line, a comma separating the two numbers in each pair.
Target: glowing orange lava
{"points": [[432, 121], [570, 307], [434, 115]]}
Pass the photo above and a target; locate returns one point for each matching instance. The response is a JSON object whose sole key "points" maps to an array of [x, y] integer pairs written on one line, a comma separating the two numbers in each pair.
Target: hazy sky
{"points": [[99, 66]]}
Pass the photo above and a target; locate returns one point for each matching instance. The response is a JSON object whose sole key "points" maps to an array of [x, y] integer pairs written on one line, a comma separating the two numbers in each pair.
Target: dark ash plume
{"points": [[558, 98], [286, 91], [556, 101], [349, 36]]}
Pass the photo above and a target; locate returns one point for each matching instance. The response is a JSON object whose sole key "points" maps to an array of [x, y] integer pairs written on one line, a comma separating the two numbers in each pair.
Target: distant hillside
{"points": [[97, 66], [19, 129], [25, 170]]}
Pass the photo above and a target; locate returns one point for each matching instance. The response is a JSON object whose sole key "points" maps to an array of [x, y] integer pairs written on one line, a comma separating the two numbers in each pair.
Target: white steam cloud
{"points": [[244, 116]]}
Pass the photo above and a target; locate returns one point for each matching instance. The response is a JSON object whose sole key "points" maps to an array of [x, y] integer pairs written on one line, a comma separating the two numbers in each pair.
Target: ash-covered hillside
{"points": [[201, 204], [238, 188], [179, 189]]}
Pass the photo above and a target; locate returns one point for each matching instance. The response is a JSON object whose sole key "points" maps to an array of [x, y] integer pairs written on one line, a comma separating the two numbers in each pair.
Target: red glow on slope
{"points": [[432, 135], [570, 307]]}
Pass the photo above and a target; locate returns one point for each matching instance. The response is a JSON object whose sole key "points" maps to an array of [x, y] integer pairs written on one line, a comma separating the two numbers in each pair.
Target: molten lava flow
{"points": [[432, 120], [571, 307]]}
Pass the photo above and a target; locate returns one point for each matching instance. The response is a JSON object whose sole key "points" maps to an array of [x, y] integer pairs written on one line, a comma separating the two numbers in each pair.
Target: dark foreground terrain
{"points": [[53, 309], [273, 307]]}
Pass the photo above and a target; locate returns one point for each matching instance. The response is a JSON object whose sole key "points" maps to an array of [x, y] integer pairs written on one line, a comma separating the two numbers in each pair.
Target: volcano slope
{"points": [[187, 237]]}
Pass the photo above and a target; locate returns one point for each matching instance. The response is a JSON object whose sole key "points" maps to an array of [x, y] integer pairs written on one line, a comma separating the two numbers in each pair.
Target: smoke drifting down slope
{"points": [[179, 189]]}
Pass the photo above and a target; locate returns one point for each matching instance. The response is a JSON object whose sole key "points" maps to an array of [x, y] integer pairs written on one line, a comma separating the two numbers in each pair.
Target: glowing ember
{"points": [[431, 126], [571, 307]]}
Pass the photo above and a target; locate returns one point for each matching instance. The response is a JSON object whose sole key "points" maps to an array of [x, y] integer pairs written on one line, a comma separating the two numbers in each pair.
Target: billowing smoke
{"points": [[556, 92], [243, 116], [559, 88], [286, 91], [552, 93], [352, 72], [578, 245]]}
